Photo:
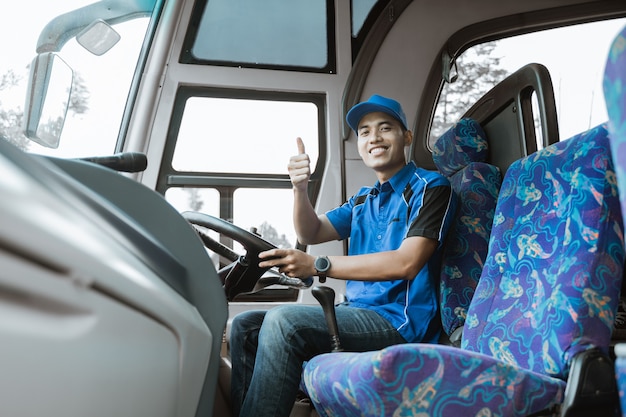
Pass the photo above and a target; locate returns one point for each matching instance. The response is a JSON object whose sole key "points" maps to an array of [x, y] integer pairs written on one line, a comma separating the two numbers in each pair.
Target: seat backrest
{"points": [[615, 97], [459, 154], [553, 273]]}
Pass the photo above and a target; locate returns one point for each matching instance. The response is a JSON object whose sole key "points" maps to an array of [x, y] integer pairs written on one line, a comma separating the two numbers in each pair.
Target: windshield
{"points": [[101, 83]]}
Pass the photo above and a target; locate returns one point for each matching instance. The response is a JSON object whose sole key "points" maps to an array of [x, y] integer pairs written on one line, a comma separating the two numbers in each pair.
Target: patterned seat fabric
{"points": [[549, 289], [459, 154], [553, 275], [615, 98]]}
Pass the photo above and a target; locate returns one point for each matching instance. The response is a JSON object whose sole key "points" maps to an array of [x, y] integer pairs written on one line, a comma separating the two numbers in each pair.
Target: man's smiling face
{"points": [[381, 143]]}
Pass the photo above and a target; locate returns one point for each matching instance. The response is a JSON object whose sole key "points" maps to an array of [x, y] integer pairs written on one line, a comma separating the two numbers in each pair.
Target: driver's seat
{"points": [[545, 303]]}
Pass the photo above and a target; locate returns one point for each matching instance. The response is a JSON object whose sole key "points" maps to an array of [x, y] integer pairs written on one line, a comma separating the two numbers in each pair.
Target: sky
{"points": [[575, 57], [20, 28]]}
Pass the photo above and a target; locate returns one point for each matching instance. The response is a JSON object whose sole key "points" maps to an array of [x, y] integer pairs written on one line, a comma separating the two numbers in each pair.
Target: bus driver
{"points": [[395, 229]]}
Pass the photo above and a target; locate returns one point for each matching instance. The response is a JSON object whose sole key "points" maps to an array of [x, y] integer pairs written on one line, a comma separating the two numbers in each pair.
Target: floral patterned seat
{"points": [[615, 97], [460, 155], [548, 292]]}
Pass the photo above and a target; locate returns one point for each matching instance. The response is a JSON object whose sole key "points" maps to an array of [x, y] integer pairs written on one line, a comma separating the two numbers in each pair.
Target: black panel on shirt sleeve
{"points": [[430, 219]]}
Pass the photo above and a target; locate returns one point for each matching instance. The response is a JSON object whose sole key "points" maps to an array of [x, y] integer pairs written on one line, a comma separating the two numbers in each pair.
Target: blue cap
{"points": [[376, 103]]}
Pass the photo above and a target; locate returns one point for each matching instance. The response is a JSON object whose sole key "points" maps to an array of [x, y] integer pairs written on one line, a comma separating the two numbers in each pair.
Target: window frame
{"points": [[227, 183], [492, 30]]}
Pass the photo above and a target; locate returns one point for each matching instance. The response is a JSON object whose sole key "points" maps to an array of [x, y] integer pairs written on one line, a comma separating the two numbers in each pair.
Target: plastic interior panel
{"points": [[503, 126], [505, 113], [80, 308], [152, 213], [79, 352]]}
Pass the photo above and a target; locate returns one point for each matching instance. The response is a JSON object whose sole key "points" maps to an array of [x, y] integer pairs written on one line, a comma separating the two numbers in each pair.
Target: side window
{"points": [[360, 11], [363, 15], [238, 135], [575, 62], [478, 69], [228, 157]]}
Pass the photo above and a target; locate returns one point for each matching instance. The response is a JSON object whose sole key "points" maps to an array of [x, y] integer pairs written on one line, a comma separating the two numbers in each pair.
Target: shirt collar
{"points": [[400, 179]]}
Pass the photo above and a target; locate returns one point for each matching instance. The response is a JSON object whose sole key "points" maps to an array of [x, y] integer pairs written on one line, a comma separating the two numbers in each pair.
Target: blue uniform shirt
{"points": [[414, 202]]}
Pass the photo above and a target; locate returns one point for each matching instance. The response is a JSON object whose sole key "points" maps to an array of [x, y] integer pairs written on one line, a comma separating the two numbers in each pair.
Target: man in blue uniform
{"points": [[395, 229]]}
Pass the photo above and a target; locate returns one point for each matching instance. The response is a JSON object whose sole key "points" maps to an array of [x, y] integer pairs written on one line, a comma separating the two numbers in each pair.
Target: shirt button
{"points": [[379, 237]]}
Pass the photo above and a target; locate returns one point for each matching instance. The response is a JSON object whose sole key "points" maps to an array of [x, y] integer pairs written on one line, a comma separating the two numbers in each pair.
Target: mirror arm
{"points": [[64, 27]]}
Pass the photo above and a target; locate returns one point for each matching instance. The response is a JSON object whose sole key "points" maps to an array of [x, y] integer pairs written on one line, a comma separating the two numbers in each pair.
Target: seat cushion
{"points": [[436, 380]]}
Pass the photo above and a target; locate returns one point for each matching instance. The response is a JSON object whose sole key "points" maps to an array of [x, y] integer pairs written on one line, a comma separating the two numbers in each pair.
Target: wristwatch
{"points": [[322, 265]]}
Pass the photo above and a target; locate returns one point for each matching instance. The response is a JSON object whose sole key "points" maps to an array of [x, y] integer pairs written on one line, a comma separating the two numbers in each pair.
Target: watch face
{"points": [[322, 264]]}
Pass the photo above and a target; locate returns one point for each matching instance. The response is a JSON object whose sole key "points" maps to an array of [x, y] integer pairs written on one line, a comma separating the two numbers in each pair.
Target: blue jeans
{"points": [[268, 349]]}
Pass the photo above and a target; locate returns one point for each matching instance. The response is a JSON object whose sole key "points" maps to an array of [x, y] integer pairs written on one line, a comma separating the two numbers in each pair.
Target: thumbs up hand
{"points": [[299, 168]]}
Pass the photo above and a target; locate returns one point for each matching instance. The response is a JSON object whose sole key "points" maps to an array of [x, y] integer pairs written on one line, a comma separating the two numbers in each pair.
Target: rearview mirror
{"points": [[47, 99]]}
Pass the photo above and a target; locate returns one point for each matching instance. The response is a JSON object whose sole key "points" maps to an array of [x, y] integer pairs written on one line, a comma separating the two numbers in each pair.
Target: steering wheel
{"points": [[243, 275]]}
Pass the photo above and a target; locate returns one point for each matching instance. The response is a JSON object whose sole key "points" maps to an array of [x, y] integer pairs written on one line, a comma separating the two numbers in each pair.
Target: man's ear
{"points": [[408, 138]]}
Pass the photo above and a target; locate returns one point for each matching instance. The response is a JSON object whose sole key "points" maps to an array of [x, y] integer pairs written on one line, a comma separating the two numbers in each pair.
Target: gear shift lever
{"points": [[326, 297]]}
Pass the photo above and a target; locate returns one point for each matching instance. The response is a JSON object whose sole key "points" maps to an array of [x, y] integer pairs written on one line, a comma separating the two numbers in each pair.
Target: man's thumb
{"points": [[300, 145]]}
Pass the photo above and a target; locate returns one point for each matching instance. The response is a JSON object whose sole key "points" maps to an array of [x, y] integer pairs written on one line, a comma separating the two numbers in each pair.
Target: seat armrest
{"points": [[591, 386]]}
